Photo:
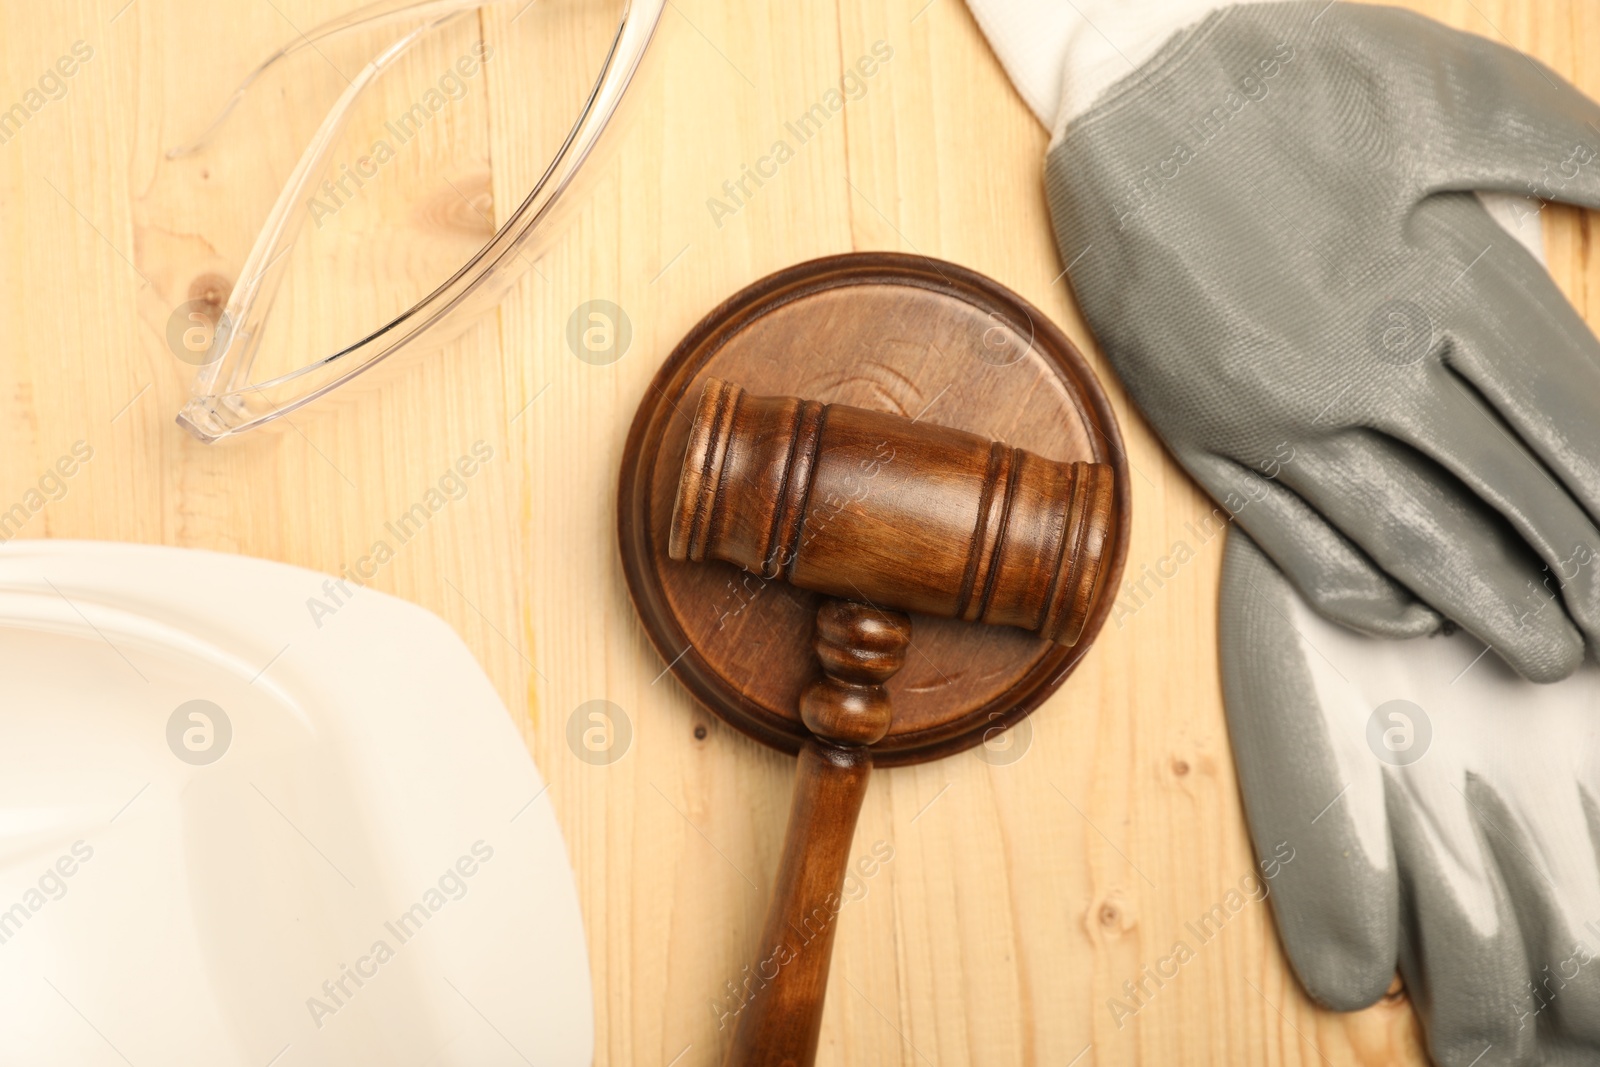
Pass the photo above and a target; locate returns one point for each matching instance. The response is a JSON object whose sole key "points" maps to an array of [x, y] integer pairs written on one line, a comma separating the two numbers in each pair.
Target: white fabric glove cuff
{"points": [[1062, 54]]}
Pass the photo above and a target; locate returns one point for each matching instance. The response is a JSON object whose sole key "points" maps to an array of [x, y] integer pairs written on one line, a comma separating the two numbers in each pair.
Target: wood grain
{"points": [[779, 1014], [1019, 895], [917, 341], [958, 527]]}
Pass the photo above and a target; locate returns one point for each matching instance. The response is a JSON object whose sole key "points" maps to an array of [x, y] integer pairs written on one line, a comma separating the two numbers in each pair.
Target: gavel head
{"points": [[891, 511]]}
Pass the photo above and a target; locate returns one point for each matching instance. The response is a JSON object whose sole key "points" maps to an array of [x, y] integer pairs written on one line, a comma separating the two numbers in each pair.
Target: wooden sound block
{"points": [[905, 334]]}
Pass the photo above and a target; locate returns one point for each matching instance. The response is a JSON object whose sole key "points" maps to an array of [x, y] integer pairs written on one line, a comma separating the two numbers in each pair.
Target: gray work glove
{"points": [[1442, 815], [1270, 227], [1272, 230]]}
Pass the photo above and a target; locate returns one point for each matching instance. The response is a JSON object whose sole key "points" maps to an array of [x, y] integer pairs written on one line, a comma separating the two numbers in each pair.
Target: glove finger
{"points": [[1506, 790], [1512, 334], [1546, 388], [1549, 869], [1520, 344], [1314, 798], [1459, 431], [1502, 121], [1422, 526], [1499, 877], [1338, 580], [1459, 942], [1464, 961]]}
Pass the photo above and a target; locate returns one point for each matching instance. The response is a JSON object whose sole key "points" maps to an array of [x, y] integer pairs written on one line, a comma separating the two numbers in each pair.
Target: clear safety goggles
{"points": [[239, 384]]}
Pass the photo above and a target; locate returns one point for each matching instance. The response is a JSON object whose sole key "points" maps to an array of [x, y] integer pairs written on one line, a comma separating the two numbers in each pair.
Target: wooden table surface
{"points": [[1020, 896]]}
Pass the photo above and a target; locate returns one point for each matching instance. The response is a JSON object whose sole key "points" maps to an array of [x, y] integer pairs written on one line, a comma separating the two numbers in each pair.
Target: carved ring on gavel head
{"points": [[892, 511]]}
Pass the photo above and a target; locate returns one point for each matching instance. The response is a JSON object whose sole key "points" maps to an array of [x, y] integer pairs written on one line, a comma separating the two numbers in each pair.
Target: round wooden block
{"points": [[915, 336]]}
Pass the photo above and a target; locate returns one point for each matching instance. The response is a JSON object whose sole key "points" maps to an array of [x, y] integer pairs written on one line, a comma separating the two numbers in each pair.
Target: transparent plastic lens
{"points": [[234, 389]]}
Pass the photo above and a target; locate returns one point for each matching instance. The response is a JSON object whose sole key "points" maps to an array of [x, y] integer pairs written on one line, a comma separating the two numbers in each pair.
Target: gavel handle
{"points": [[781, 1021], [847, 710]]}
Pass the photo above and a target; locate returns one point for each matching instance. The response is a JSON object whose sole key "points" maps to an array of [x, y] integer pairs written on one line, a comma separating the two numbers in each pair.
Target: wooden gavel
{"points": [[891, 515]]}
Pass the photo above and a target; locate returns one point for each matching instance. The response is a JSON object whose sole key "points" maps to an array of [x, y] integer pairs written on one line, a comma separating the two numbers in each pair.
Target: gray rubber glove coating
{"points": [[1271, 229], [1430, 830]]}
